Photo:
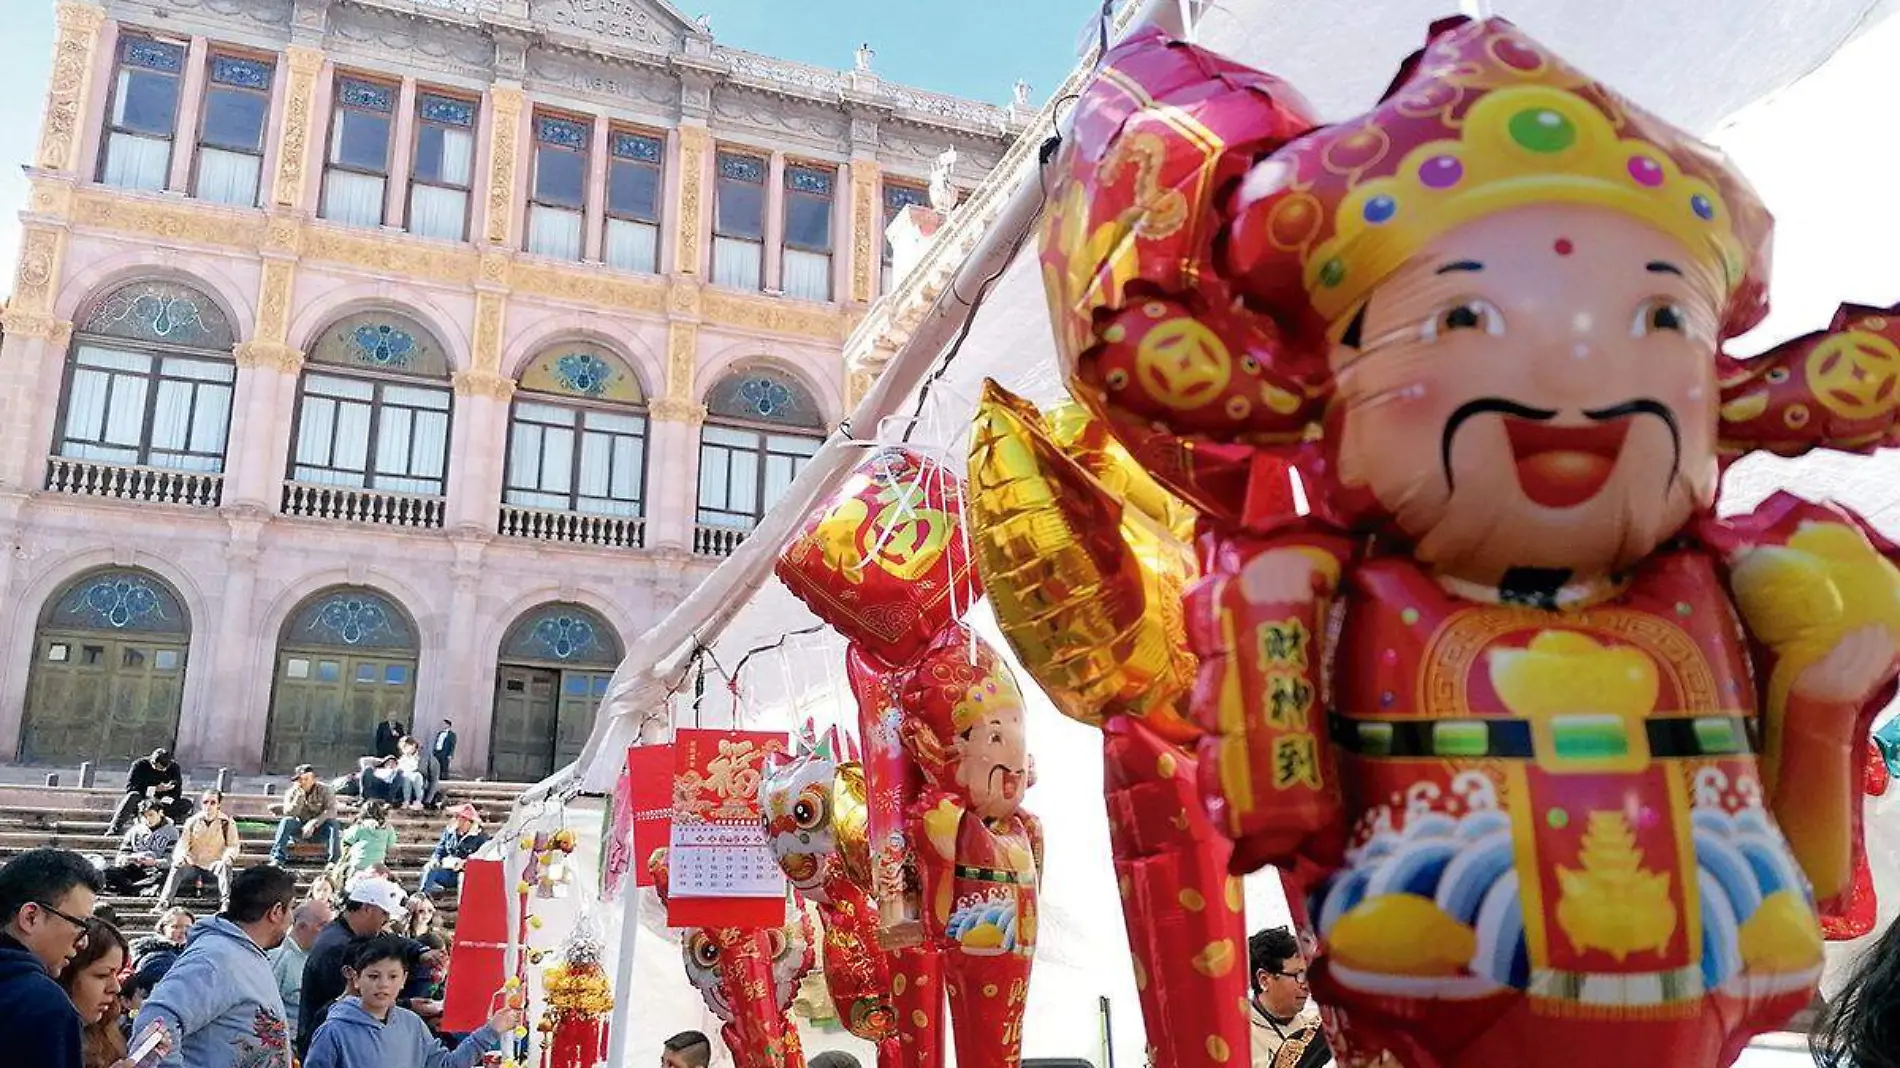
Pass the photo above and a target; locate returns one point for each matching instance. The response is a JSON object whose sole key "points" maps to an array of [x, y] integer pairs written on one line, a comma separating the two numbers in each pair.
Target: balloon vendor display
{"points": [[954, 860], [1558, 765], [1086, 586], [814, 809], [747, 977]]}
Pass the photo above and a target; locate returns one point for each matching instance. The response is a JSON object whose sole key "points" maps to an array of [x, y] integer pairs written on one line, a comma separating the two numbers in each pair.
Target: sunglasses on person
{"points": [[79, 925], [1298, 977]]}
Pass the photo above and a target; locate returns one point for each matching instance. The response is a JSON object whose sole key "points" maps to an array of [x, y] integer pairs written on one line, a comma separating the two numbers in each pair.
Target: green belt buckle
{"points": [[1718, 736], [1467, 738], [1375, 738], [1589, 737]]}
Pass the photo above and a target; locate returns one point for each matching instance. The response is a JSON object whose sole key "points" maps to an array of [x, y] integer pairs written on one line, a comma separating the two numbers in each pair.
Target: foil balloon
{"points": [[816, 823], [883, 561], [1556, 761], [748, 977], [1087, 592], [1085, 440], [1859, 913], [979, 852]]}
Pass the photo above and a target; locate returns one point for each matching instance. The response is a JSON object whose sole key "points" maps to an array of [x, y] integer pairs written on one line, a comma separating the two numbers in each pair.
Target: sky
{"points": [[949, 47]]}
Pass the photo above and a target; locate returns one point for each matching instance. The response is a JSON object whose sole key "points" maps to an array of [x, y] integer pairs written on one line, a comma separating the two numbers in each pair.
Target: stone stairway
{"points": [[75, 818]]}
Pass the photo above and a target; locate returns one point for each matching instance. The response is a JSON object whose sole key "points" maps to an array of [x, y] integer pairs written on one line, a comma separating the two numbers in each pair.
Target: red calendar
{"points": [[721, 874]]}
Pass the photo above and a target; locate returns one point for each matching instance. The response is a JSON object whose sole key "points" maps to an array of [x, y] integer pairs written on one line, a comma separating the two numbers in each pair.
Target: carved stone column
{"points": [[461, 678], [238, 698], [695, 163], [263, 404], [673, 460], [504, 151], [478, 448], [301, 128], [69, 92], [34, 349], [867, 229], [775, 222], [13, 686]]}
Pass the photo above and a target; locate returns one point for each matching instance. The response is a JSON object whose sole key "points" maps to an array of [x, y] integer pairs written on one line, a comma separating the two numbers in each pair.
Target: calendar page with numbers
{"points": [[720, 872]]}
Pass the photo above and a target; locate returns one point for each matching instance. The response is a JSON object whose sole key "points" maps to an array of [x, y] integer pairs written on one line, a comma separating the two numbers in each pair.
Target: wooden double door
{"points": [[102, 696], [326, 703], [542, 718]]}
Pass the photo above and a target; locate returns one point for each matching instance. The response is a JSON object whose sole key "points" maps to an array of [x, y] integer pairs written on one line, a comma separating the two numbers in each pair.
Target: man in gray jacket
{"points": [[220, 1002]]}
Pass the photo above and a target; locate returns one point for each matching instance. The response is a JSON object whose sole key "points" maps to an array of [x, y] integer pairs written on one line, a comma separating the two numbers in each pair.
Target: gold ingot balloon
{"points": [[1086, 440], [851, 822], [1087, 591]]}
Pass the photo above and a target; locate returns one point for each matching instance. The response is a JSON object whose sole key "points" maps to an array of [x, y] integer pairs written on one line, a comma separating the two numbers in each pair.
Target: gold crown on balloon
{"points": [[982, 699], [1520, 145]]}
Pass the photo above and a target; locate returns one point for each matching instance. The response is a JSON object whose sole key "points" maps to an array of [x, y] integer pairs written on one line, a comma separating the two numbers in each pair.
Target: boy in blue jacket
{"points": [[370, 1030]]}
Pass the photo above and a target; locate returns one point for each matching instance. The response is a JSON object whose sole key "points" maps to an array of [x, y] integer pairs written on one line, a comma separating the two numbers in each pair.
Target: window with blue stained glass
{"points": [[563, 132], [165, 312], [741, 168], [763, 395], [563, 634], [241, 72], [350, 618], [119, 600], [636, 147], [381, 341], [808, 180], [899, 197], [153, 55], [366, 95], [447, 110]]}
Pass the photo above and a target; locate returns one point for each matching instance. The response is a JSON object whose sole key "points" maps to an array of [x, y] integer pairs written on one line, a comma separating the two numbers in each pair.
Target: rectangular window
{"points": [[557, 194], [743, 473], [356, 173], [806, 271], [231, 132], [146, 410], [575, 460], [896, 198], [738, 258], [143, 114], [372, 434], [633, 202], [444, 167]]}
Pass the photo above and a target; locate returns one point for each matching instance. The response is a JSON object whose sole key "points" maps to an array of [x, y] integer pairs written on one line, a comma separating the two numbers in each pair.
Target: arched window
{"points": [[762, 425], [148, 380], [373, 408], [577, 437]]}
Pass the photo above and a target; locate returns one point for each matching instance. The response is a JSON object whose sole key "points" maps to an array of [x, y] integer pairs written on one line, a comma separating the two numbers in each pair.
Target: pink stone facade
{"points": [[239, 564]]}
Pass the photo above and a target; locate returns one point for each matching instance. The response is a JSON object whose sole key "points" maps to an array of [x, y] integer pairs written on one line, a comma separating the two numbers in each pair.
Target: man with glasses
{"points": [[45, 897], [207, 847], [1283, 1017]]}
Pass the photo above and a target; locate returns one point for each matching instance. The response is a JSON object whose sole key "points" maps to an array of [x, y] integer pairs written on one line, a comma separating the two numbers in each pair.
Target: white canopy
{"points": [[1818, 164]]}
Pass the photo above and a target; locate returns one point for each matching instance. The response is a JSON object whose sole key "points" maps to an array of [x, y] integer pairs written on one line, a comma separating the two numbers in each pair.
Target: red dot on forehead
{"points": [[1564, 246]]}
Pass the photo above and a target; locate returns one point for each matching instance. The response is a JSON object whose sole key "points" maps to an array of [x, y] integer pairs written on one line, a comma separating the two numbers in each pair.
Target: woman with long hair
{"points": [[92, 980], [1861, 1026]]}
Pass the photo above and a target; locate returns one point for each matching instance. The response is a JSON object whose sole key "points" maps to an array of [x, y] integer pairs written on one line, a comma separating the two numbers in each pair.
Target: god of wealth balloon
{"points": [[979, 853], [1087, 592], [816, 823], [884, 563], [748, 977], [1539, 793]]}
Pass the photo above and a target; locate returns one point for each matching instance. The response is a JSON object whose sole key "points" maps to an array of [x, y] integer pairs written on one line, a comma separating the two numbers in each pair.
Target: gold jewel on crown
{"points": [[1516, 145]]}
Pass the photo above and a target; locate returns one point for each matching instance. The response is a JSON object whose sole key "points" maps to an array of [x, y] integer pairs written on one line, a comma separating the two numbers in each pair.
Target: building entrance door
{"points": [[108, 676], [345, 661], [555, 664]]}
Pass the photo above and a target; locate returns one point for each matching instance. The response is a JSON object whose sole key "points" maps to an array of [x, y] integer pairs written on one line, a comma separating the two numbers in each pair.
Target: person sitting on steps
{"points": [[206, 849], [144, 852], [154, 778], [309, 810]]}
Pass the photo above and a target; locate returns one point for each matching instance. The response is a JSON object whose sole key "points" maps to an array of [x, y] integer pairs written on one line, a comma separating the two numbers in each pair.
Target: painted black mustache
{"points": [[1636, 406]]}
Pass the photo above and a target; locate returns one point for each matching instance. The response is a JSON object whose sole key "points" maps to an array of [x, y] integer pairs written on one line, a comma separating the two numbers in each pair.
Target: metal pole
{"points": [[620, 1021], [1108, 1032]]}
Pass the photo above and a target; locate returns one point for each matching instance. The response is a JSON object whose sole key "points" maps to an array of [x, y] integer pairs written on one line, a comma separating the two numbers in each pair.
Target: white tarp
{"points": [[1818, 164]]}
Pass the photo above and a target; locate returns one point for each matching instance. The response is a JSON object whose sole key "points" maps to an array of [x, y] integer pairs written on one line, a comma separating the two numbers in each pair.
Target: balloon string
{"points": [[1476, 9]]}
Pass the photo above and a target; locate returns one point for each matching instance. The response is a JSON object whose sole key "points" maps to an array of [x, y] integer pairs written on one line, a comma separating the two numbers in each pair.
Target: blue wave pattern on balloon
{"points": [[1467, 868]]}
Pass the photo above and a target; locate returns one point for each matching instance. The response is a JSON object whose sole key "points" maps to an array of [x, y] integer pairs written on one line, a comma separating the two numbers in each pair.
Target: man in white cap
{"points": [[367, 907]]}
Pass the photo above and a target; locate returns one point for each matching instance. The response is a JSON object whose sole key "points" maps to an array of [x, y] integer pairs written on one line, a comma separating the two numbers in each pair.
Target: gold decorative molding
{"points": [[631, 293], [273, 301], [300, 108], [52, 198], [485, 350], [271, 355], [695, 144], [70, 86], [504, 109], [169, 223], [42, 248], [857, 385], [674, 410], [682, 359], [775, 316], [495, 266], [481, 383], [283, 233], [43, 327], [390, 254], [682, 297], [866, 236]]}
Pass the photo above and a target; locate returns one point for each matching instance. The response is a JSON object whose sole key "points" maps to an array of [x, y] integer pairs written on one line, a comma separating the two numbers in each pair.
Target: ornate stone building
{"points": [[409, 356]]}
